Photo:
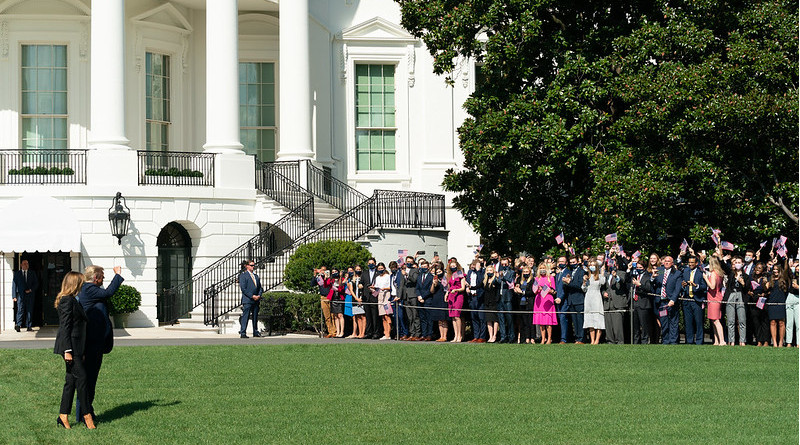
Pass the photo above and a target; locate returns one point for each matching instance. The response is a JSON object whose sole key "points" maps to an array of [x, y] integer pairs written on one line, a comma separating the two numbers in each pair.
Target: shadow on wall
{"points": [[133, 250]]}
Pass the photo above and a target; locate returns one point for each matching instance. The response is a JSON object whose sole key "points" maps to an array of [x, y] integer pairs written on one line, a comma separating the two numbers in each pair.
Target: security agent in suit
{"points": [[505, 321], [374, 329], [642, 303], [425, 299], [693, 290], [561, 297], [251, 288], [573, 288], [667, 285], [409, 299], [99, 333], [71, 344], [475, 292], [25, 285], [616, 299]]}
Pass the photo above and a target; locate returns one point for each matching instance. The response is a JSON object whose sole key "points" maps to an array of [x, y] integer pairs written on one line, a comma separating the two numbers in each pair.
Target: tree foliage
{"points": [[333, 254], [655, 120]]}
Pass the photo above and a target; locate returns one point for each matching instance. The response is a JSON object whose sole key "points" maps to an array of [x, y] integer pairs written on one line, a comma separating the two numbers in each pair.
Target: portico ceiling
{"points": [[244, 5]]}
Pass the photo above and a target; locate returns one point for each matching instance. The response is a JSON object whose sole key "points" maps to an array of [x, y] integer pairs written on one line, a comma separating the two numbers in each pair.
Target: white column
{"points": [[108, 75], [222, 77], [295, 82]]}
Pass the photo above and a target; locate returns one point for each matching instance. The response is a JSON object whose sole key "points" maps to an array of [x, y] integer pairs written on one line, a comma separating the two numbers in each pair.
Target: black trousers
{"points": [[642, 325], [374, 325], [94, 359], [75, 379]]}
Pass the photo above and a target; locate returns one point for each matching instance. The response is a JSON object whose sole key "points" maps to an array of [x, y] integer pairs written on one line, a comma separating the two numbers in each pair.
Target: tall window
{"points": [[375, 124], [44, 97], [257, 109], [157, 93]]}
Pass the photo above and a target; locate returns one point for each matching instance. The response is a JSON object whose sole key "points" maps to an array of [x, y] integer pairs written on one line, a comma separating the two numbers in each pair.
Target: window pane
{"points": [[60, 78], [362, 161], [268, 72], [267, 116], [28, 79], [388, 141], [376, 140], [28, 55], [61, 56], [28, 103], [60, 103], [362, 140], [44, 103], [60, 128], [44, 55], [388, 161], [44, 79], [268, 95], [376, 161]]}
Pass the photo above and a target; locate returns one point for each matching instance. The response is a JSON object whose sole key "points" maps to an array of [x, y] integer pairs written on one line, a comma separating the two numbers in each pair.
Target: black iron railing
{"points": [[280, 182], [176, 168], [404, 209], [42, 166], [324, 186]]}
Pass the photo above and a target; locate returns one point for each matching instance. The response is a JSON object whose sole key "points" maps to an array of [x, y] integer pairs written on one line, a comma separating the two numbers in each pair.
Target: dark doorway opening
{"points": [[50, 268], [174, 267]]}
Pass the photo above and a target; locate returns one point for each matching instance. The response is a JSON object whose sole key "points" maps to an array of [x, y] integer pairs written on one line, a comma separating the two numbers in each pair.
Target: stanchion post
{"points": [[321, 319]]}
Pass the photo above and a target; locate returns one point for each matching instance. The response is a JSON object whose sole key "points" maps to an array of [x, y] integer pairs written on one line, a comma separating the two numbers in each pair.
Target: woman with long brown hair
{"points": [[70, 344], [714, 279], [778, 286]]}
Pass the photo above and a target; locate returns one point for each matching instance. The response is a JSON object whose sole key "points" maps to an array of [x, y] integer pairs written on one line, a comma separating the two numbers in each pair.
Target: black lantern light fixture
{"points": [[119, 216]]}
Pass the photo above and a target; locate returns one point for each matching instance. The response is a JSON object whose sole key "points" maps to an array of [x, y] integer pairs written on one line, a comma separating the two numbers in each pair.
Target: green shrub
{"points": [[331, 254], [301, 312], [42, 171], [125, 300], [175, 172]]}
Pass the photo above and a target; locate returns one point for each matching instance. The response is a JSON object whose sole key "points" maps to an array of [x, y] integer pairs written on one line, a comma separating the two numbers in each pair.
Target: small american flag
{"points": [[402, 254], [781, 251], [571, 251], [761, 302], [754, 284], [560, 238], [636, 255], [726, 245], [621, 250], [761, 246], [611, 237], [781, 241], [684, 245], [715, 238]]}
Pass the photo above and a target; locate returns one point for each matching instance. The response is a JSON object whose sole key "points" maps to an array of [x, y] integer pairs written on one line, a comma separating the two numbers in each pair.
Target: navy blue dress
{"points": [[776, 295], [439, 303]]}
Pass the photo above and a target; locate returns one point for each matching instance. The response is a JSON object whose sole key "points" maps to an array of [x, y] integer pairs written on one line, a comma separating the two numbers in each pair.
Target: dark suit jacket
{"points": [[673, 284], [249, 289], [617, 288], [699, 291], [479, 274], [21, 284], [423, 288], [71, 327], [644, 299], [94, 299], [574, 289]]}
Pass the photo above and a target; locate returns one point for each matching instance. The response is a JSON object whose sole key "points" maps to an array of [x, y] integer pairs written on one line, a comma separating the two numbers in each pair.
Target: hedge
{"points": [[336, 254], [302, 311]]}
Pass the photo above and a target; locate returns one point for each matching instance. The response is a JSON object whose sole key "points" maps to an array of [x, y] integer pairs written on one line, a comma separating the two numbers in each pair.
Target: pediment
{"points": [[377, 30], [166, 16], [46, 7]]}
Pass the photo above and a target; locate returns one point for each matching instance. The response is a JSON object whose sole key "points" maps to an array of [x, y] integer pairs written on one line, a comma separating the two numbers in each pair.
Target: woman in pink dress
{"points": [[544, 310], [714, 297], [456, 284]]}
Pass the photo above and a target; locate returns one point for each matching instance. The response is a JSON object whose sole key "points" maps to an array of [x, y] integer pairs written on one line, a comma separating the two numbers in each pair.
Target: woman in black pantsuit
{"points": [[70, 344], [759, 316]]}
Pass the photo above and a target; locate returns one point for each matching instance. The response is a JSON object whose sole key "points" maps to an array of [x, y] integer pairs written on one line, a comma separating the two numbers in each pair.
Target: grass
{"points": [[414, 393]]}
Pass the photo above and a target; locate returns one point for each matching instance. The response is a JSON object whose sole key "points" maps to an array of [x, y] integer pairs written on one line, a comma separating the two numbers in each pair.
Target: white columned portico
{"points": [[108, 75], [222, 77], [295, 82]]}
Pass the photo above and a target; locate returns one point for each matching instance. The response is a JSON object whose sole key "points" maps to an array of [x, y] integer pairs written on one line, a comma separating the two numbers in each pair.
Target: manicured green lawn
{"points": [[414, 393]]}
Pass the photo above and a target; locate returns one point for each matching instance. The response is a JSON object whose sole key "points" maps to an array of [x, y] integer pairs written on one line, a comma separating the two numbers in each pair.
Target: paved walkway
{"points": [[43, 338]]}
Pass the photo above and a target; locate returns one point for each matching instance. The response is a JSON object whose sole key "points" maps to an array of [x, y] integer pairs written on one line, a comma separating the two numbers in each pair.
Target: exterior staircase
{"points": [[315, 207]]}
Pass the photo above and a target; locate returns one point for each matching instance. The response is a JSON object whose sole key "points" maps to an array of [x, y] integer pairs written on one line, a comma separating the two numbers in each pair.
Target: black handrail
{"points": [[406, 209], [175, 168], [338, 194], [280, 182], [34, 166]]}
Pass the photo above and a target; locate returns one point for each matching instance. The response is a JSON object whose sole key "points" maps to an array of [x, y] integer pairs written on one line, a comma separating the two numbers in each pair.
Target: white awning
{"points": [[39, 224]]}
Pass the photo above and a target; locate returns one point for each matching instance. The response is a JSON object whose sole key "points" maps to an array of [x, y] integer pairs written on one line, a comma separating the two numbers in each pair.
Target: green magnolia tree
{"points": [[655, 120]]}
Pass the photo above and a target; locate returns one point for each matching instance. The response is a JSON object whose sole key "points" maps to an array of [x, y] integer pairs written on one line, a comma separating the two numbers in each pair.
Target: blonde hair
{"points": [[70, 286], [91, 272], [714, 264]]}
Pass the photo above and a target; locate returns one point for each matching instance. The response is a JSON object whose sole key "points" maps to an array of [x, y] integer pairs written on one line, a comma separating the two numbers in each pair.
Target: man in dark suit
{"points": [[693, 289], [573, 288], [474, 279], [667, 284], [561, 297], [374, 329], [616, 299], [25, 285], [99, 333], [411, 274], [251, 288], [505, 322], [425, 299]]}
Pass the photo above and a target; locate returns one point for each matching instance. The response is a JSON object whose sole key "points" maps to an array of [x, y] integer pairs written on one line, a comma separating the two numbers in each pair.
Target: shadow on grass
{"points": [[129, 409]]}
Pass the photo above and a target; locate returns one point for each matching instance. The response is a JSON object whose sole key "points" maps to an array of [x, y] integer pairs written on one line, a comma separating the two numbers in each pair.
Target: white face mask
{"points": [[748, 259], [542, 271], [592, 268]]}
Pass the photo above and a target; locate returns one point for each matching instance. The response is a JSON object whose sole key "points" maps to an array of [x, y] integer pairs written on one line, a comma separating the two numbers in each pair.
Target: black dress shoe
{"points": [[243, 336], [29, 329], [16, 328], [256, 334]]}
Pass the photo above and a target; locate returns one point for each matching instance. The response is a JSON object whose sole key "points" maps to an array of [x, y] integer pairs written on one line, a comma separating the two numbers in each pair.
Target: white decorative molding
{"points": [[465, 72], [4, 39], [411, 62], [185, 53], [138, 51], [83, 46], [344, 61], [377, 29], [166, 17]]}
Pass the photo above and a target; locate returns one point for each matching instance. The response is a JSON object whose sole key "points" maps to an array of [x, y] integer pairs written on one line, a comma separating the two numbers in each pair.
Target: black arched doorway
{"points": [[174, 267]]}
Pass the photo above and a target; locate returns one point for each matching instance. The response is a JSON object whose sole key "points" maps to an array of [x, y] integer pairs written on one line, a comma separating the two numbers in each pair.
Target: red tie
{"points": [[664, 284]]}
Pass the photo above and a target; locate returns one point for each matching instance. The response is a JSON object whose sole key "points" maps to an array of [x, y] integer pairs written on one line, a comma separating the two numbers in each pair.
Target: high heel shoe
{"points": [[89, 421], [63, 421]]}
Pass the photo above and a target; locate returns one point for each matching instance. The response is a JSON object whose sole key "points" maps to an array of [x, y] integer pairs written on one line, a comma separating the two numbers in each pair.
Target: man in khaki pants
{"points": [[319, 280]]}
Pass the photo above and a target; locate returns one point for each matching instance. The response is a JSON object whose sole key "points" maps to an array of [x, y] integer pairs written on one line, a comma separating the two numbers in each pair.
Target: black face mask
{"points": [[440, 274], [358, 273], [453, 268], [573, 266], [526, 275], [394, 270], [585, 263], [490, 274], [335, 275], [562, 266], [381, 271], [349, 274], [409, 265]]}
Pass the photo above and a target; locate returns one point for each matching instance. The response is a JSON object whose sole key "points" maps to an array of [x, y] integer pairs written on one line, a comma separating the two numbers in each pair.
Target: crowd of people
{"points": [[610, 297]]}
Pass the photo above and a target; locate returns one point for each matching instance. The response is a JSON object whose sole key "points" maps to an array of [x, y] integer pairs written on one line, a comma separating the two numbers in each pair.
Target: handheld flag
{"points": [[611, 237], [636, 255], [560, 238], [684, 245], [726, 245]]}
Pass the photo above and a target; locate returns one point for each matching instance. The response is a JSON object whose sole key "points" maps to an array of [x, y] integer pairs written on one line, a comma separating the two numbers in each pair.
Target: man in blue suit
{"points": [[505, 322], [475, 293], [573, 288], [425, 299], [251, 296], [25, 285], [99, 333], [667, 284], [693, 289], [561, 298]]}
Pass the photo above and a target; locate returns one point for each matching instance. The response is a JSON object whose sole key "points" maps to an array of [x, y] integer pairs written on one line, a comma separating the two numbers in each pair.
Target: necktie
{"points": [[253, 276], [664, 285], [25, 275], [691, 280]]}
